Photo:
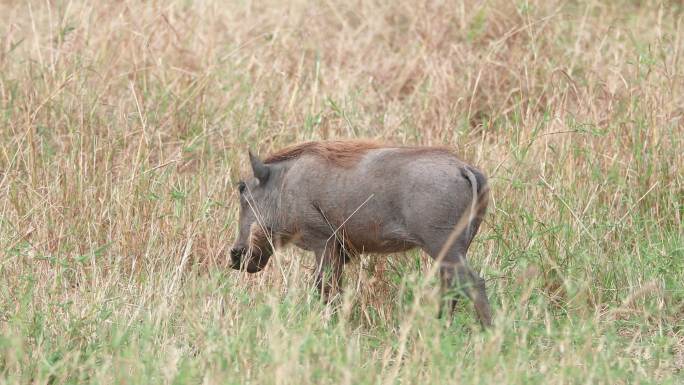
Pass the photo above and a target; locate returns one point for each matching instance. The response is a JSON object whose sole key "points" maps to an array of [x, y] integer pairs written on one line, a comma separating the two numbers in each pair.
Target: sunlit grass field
{"points": [[125, 125]]}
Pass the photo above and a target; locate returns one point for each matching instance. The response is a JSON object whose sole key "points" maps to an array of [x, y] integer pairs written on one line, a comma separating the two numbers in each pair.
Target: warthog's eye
{"points": [[241, 187]]}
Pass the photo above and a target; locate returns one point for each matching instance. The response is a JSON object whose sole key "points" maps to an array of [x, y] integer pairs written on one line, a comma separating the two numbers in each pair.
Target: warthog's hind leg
{"points": [[456, 276], [474, 287], [448, 295]]}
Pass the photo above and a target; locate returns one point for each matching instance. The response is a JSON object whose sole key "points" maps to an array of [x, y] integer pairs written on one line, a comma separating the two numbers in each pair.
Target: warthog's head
{"points": [[254, 244]]}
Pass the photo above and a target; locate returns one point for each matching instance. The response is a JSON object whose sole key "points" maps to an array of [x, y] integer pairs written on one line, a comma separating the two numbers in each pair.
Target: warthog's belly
{"points": [[376, 237]]}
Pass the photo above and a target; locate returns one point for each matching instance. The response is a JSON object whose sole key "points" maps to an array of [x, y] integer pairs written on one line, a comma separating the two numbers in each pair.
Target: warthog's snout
{"points": [[240, 259]]}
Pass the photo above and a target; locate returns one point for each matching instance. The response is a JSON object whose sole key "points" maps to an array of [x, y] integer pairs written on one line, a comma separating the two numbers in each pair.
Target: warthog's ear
{"points": [[260, 170]]}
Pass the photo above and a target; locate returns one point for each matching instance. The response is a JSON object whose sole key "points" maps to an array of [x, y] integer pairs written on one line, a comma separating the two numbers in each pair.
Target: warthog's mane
{"points": [[344, 153], [339, 152]]}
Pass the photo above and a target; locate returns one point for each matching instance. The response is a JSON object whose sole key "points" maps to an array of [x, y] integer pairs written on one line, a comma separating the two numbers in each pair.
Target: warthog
{"points": [[340, 199]]}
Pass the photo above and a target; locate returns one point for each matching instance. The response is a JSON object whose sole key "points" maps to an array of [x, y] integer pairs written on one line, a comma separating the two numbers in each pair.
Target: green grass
{"points": [[124, 127]]}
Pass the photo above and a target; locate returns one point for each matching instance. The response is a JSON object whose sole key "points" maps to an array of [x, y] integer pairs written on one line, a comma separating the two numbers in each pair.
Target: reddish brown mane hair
{"points": [[340, 153]]}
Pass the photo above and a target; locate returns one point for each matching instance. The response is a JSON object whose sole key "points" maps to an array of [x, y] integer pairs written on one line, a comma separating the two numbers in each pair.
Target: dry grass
{"points": [[123, 126]]}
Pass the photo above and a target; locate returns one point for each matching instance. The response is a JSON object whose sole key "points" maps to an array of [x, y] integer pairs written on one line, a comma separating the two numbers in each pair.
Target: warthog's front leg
{"points": [[329, 264]]}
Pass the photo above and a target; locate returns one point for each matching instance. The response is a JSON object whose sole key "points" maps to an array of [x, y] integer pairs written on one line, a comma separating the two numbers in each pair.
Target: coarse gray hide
{"points": [[388, 200]]}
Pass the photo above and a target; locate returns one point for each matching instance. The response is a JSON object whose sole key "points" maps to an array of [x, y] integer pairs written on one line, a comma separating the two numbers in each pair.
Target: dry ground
{"points": [[124, 126]]}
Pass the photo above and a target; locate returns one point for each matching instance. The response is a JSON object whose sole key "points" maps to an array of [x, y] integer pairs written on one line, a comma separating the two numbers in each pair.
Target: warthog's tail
{"points": [[480, 199]]}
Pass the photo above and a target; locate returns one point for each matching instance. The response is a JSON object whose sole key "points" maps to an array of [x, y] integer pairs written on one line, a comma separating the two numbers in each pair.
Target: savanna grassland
{"points": [[124, 127]]}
